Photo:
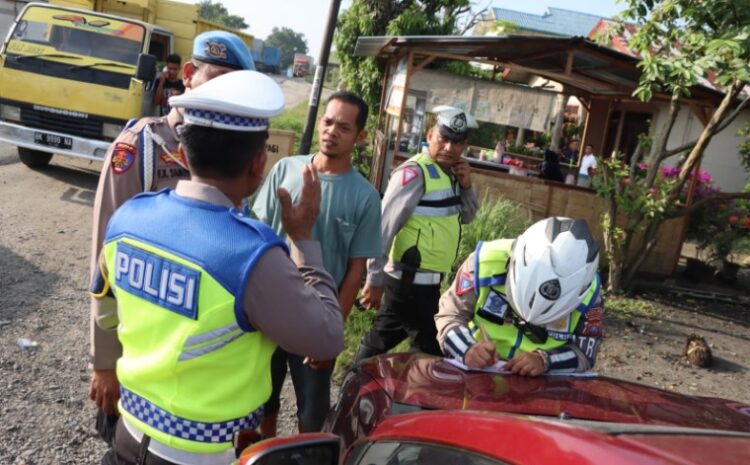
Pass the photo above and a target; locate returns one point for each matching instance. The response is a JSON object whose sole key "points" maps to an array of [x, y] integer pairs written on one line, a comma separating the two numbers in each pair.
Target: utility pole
{"points": [[320, 73]]}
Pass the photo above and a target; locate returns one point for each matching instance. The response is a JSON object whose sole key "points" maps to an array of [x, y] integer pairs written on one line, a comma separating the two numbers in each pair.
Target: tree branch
{"points": [[473, 20], [696, 153], [727, 121], [709, 198]]}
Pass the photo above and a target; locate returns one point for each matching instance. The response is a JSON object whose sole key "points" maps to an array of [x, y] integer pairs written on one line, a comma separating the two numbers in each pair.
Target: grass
{"points": [[356, 327], [293, 119], [627, 307], [496, 219]]}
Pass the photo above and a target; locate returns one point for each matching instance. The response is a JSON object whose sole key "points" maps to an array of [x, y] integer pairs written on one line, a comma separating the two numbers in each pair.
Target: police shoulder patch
{"points": [[409, 174], [593, 325], [123, 156], [464, 283]]}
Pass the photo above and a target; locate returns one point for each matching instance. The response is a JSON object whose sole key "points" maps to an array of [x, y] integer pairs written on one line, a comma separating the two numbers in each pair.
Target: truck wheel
{"points": [[34, 159]]}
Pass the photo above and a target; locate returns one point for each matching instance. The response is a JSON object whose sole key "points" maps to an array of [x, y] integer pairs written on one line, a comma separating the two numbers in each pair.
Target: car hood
{"points": [[429, 382]]}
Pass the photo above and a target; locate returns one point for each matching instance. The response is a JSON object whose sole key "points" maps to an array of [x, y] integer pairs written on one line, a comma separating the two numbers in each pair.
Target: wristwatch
{"points": [[545, 358]]}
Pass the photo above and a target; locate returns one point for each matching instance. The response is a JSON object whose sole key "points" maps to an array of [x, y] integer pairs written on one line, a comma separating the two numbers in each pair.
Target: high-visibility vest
{"points": [[492, 308], [435, 227], [193, 370]]}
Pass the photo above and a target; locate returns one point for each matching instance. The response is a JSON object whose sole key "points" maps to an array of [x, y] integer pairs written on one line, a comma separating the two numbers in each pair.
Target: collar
{"points": [[203, 193], [174, 119]]}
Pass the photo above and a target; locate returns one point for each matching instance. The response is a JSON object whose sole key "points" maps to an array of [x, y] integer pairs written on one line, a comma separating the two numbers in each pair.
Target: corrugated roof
{"points": [[556, 21], [591, 69]]}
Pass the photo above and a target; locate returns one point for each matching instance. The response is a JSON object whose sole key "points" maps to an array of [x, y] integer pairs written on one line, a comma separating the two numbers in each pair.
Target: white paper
{"points": [[498, 368]]}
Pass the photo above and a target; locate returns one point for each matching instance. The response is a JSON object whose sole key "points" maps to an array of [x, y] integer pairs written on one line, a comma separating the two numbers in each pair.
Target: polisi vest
{"points": [[429, 239], [193, 370], [494, 313]]}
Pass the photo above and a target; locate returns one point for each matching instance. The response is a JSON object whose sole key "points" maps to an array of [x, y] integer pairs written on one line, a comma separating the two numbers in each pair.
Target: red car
{"points": [[417, 409]]}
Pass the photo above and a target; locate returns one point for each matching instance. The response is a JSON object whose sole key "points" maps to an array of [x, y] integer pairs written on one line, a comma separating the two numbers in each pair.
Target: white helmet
{"points": [[552, 265]]}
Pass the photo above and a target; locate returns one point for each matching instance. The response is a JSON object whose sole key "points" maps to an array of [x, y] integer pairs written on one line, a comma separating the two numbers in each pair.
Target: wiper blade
{"points": [[46, 55], [102, 63]]}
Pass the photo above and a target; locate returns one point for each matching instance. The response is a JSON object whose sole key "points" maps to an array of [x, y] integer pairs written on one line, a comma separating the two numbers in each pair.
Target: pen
{"points": [[484, 332]]}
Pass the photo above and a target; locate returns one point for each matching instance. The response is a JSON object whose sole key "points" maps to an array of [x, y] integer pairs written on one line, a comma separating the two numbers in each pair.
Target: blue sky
{"points": [[309, 16]]}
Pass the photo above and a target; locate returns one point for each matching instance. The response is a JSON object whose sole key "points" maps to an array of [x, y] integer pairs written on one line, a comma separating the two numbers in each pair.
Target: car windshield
{"points": [[415, 453], [47, 31]]}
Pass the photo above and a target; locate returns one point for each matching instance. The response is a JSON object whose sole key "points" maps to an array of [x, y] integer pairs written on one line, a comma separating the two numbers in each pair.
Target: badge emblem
{"points": [[123, 156], [216, 49], [409, 175], [458, 123], [464, 283], [550, 290], [593, 325], [171, 159]]}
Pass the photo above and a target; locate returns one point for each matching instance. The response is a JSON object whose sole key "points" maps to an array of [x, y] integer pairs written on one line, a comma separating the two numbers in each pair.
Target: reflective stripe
{"points": [[589, 300], [437, 212], [423, 278], [179, 456], [160, 419], [439, 195], [148, 158], [203, 350], [205, 337]]}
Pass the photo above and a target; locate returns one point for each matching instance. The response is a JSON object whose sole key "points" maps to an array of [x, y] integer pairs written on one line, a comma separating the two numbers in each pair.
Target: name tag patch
{"points": [[158, 280], [559, 329]]}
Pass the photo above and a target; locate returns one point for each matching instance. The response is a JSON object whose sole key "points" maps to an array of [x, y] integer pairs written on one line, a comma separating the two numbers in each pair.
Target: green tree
{"points": [[680, 42], [216, 12], [289, 42], [364, 75]]}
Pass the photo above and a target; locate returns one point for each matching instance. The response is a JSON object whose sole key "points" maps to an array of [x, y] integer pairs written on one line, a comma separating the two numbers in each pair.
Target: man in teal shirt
{"points": [[348, 228]]}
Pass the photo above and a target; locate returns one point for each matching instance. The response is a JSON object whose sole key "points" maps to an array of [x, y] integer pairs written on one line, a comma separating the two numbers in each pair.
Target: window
{"points": [[47, 31], [415, 453], [159, 47]]}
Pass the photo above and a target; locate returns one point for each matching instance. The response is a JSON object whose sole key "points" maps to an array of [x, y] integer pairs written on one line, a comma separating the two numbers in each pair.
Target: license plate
{"points": [[52, 140]]}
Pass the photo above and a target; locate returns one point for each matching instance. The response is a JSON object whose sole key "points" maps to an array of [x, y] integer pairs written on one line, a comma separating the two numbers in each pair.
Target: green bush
{"points": [[497, 218]]}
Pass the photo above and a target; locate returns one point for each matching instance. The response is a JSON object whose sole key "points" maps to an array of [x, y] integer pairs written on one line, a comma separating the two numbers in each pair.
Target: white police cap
{"points": [[239, 101], [454, 123]]}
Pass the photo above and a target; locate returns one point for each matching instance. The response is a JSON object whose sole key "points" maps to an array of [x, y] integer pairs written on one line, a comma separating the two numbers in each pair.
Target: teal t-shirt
{"points": [[348, 225]]}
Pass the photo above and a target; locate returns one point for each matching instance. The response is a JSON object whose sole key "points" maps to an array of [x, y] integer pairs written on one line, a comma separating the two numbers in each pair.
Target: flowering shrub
{"points": [[718, 226]]}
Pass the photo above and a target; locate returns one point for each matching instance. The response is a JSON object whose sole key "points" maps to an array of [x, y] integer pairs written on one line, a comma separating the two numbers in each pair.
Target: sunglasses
{"points": [[535, 334]]}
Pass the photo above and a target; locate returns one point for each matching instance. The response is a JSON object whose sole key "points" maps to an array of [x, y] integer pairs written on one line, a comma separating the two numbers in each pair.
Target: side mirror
{"points": [[303, 449], [146, 67]]}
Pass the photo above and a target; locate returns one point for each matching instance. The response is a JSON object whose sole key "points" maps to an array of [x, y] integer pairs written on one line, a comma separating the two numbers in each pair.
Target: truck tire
{"points": [[34, 159]]}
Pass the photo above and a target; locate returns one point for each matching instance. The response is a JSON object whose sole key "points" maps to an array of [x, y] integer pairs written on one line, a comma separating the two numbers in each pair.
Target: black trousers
{"points": [[407, 310]]}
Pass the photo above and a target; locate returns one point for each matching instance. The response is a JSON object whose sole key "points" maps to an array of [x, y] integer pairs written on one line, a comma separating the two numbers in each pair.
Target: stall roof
{"points": [[575, 62]]}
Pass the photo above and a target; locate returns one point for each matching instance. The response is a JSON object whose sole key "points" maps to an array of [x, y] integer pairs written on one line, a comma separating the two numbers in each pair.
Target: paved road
{"points": [[44, 251]]}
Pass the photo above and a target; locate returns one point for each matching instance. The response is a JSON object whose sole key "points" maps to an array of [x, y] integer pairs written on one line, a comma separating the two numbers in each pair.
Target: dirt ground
{"points": [[45, 417]]}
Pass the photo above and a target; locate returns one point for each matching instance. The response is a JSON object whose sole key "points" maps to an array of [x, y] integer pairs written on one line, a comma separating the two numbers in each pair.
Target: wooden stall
{"points": [[541, 199], [601, 78]]}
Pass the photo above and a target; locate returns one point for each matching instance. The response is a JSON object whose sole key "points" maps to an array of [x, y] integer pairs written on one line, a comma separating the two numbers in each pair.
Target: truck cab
{"points": [[70, 79]]}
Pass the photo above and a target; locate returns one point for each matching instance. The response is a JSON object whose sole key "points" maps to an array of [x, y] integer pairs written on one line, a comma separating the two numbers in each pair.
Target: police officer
{"points": [[204, 293], [534, 301], [427, 199], [144, 157]]}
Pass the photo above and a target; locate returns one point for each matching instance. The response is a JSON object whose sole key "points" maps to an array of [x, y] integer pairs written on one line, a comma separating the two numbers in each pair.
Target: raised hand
{"points": [[298, 219]]}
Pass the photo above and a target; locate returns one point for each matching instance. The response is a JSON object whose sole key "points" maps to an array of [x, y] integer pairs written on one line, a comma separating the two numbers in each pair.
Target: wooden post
{"points": [[397, 142], [620, 126]]}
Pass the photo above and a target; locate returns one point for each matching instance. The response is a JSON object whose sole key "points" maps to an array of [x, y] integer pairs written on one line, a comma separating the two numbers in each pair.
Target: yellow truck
{"points": [[73, 72]]}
